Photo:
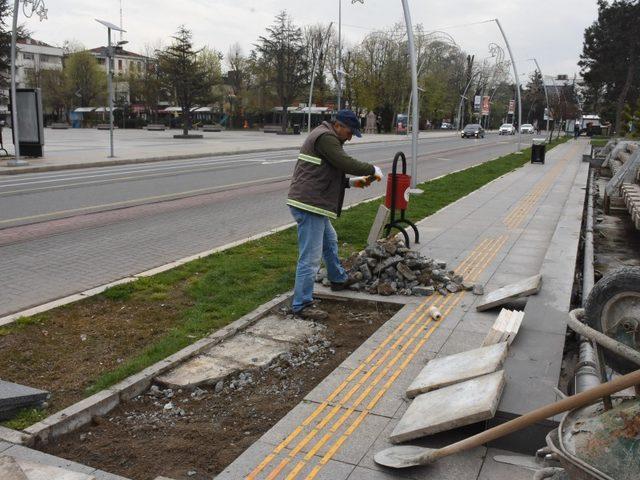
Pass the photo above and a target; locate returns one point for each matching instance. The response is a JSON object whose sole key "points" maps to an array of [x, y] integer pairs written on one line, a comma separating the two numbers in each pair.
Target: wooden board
{"points": [[378, 224], [528, 286]]}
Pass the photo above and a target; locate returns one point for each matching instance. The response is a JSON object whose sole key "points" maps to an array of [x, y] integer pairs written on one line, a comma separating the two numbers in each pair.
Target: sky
{"points": [[550, 31]]}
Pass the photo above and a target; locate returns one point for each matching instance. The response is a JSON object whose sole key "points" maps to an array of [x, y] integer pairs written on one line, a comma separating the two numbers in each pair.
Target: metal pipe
{"points": [[313, 74], [515, 72], [414, 96], [16, 162]]}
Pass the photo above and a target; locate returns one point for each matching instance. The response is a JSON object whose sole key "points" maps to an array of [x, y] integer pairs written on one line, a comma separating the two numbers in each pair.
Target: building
{"points": [[33, 56], [124, 62]]}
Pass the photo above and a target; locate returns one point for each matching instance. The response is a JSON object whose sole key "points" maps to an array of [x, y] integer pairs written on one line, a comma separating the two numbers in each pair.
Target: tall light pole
{"points": [[313, 73], [110, 26], [546, 96], [462, 98], [515, 73], [29, 8], [414, 97]]}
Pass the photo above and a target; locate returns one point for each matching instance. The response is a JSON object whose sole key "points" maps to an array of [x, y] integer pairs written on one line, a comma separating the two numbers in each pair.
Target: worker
{"points": [[315, 196]]}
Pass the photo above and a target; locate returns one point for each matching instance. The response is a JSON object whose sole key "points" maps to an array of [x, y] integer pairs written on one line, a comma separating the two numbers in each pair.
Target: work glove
{"points": [[360, 182], [378, 176]]}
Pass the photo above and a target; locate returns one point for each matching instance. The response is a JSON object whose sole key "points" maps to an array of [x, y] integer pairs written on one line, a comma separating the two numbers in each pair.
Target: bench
{"points": [[60, 126], [211, 128], [104, 126], [272, 128], [157, 127]]}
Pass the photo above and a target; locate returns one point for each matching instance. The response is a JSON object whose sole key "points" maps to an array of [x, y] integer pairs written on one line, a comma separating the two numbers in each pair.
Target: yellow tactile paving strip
{"points": [[390, 358]]}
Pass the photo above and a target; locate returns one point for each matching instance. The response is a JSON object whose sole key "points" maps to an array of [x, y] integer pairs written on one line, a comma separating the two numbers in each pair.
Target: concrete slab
{"points": [[23, 453], [527, 286], [249, 350], [10, 470], [200, 370], [13, 397], [450, 407], [444, 371], [291, 330], [39, 471]]}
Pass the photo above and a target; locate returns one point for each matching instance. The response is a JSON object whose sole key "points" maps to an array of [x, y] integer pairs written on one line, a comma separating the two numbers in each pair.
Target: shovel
{"points": [[410, 456]]}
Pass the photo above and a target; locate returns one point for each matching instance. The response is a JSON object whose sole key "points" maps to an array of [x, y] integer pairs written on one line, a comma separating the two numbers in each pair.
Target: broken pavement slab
{"points": [[14, 397], [293, 330], [259, 345], [528, 286], [443, 371], [450, 407]]}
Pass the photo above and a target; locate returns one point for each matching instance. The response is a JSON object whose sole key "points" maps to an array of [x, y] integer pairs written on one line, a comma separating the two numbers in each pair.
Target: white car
{"points": [[527, 128], [507, 129]]}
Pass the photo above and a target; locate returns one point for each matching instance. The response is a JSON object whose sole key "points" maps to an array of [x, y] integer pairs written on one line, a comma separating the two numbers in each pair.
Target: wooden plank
{"points": [[528, 286]]}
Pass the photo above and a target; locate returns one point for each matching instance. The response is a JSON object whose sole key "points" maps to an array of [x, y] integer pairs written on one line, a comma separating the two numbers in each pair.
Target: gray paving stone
{"points": [[450, 407], [101, 475], [284, 329], [24, 453], [461, 341], [11, 470], [249, 350], [464, 466], [444, 371], [13, 397], [38, 471], [200, 370], [5, 445], [361, 473]]}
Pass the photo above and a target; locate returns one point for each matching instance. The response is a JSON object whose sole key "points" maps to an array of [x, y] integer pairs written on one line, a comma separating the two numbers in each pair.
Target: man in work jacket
{"points": [[315, 196]]}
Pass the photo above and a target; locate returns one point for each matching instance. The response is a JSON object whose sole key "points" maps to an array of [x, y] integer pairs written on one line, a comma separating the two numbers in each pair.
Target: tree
{"points": [[282, 52], [610, 57], [187, 75], [6, 11], [84, 80]]}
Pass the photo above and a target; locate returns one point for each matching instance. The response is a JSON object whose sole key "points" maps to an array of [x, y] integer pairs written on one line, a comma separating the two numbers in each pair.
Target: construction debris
{"points": [[505, 328], [523, 288], [388, 267]]}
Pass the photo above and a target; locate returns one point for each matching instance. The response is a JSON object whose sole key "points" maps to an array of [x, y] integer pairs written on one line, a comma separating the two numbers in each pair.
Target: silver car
{"points": [[527, 128], [507, 129]]}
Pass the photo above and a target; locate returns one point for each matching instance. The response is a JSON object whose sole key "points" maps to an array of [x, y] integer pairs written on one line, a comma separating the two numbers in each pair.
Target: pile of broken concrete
{"points": [[388, 267]]}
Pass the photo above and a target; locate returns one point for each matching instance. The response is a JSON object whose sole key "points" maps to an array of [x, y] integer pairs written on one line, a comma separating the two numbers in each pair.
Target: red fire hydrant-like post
{"points": [[397, 198]]}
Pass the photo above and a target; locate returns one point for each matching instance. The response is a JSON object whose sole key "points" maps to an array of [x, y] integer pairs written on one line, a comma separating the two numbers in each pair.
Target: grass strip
{"points": [[227, 285]]}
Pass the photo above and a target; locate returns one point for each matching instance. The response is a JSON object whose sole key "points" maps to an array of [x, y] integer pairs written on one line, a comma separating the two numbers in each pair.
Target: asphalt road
{"points": [[64, 232]]}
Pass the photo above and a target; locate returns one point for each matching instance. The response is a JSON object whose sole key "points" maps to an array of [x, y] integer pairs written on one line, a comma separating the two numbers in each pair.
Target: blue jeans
{"points": [[317, 240]]}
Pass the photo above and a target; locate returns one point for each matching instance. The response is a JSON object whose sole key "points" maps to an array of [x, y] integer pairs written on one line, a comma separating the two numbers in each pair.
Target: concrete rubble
{"points": [[388, 267]]}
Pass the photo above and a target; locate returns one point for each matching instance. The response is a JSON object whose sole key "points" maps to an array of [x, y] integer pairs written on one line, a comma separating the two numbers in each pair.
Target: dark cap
{"points": [[349, 119]]}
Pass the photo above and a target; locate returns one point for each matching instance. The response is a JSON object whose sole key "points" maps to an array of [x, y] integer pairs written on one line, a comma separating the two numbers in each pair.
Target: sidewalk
{"points": [[524, 223], [80, 148]]}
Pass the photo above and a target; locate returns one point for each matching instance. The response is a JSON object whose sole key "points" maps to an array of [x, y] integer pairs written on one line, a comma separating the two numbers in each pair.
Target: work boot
{"points": [[312, 312], [351, 280]]}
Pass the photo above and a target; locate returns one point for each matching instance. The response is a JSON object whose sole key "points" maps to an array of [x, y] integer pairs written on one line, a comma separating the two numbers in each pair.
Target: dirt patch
{"points": [[64, 353], [203, 431], [616, 240]]}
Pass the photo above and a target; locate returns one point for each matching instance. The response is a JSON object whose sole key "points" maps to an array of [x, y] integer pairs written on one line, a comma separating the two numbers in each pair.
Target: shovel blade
{"points": [[404, 456]]}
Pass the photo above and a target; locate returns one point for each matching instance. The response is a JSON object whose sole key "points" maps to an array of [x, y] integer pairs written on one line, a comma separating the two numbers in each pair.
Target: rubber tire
{"points": [[625, 279]]}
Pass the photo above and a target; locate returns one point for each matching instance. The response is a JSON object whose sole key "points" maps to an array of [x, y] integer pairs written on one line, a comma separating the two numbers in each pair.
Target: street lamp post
{"points": [[110, 26], [546, 96], [313, 74], [414, 98], [515, 72]]}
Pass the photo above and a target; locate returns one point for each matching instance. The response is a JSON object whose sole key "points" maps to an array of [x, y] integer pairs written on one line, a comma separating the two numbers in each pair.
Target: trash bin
{"points": [[538, 150], [402, 183], [296, 129]]}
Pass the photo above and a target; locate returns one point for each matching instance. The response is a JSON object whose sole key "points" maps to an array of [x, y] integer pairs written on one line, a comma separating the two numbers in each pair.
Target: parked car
{"points": [[473, 130], [507, 129], [446, 126], [527, 128]]}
